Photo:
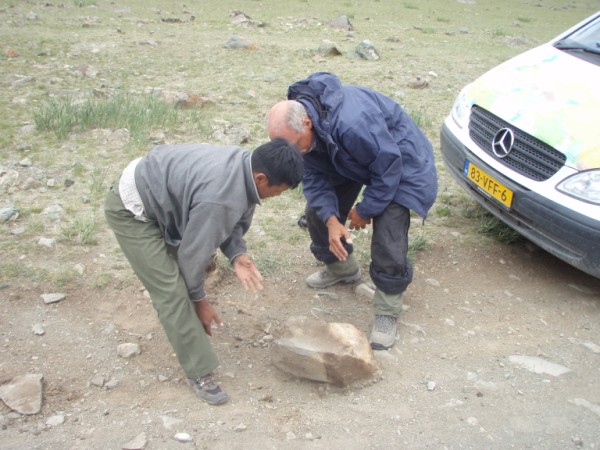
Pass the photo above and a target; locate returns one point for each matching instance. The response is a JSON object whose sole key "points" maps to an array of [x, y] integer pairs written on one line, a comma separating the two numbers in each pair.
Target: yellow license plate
{"points": [[489, 185]]}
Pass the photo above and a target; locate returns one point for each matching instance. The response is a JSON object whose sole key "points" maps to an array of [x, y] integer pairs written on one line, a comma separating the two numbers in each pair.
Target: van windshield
{"points": [[585, 39]]}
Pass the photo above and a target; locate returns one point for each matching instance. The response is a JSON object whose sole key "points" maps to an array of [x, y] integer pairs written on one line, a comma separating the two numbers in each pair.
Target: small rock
{"points": [[341, 22], [128, 349], [366, 50], [431, 385], [364, 290], [53, 298], [8, 213], [240, 42], [23, 394], [539, 365], [183, 437], [240, 427], [38, 329], [137, 443], [432, 282], [55, 420], [111, 384], [46, 242], [97, 380]]}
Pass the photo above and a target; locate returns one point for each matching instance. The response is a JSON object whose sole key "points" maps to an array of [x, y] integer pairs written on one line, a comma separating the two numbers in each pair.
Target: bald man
{"points": [[353, 137]]}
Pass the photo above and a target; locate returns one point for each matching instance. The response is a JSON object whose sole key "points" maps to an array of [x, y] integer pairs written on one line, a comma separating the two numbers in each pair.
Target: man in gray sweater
{"points": [[170, 212]]}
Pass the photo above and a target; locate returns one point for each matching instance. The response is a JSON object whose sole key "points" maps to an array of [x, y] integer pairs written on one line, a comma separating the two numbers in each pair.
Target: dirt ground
{"points": [[449, 382], [483, 323]]}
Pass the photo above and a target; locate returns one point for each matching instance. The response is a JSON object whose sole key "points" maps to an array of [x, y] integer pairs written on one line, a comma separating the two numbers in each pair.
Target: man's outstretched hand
{"points": [[246, 271]]}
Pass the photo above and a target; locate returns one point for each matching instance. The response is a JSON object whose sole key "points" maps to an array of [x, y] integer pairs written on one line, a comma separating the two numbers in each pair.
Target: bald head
{"points": [[288, 119]]}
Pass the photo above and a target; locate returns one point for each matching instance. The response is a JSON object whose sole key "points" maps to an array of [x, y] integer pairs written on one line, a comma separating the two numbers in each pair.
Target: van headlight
{"points": [[461, 109], [583, 186]]}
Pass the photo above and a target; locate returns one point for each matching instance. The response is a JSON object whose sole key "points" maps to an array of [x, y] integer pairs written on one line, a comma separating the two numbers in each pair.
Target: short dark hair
{"points": [[280, 161]]}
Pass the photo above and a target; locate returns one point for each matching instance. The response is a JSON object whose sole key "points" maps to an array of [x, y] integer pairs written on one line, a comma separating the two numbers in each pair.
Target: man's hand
{"points": [[337, 232], [356, 221], [246, 271], [207, 314]]}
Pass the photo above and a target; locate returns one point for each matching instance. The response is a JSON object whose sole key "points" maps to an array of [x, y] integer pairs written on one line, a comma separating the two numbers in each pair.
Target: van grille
{"points": [[529, 157]]}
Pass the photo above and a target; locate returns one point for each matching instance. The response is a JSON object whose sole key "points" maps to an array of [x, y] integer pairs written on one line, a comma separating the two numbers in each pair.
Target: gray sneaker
{"points": [[325, 278], [383, 335], [209, 391]]}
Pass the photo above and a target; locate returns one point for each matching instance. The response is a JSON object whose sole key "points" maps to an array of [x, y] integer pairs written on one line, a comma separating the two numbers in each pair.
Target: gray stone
{"points": [[46, 242], [183, 437], [170, 422], [53, 298], [336, 353], [137, 443], [328, 48], [8, 213], [539, 365], [128, 349], [341, 22], [239, 42], [54, 421], [23, 394], [366, 50], [364, 290], [97, 380]]}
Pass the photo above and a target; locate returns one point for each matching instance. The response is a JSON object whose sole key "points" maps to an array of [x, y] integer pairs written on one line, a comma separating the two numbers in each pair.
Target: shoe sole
{"points": [[219, 401], [378, 346], [348, 280]]}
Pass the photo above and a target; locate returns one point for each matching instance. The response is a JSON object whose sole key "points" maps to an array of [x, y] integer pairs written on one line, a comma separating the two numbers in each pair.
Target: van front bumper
{"points": [[567, 234]]}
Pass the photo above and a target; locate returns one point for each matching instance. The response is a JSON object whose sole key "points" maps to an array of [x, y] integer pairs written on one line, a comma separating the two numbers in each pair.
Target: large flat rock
{"points": [[336, 353]]}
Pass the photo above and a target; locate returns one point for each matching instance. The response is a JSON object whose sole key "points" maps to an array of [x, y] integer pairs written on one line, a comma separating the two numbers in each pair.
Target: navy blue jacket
{"points": [[365, 137]]}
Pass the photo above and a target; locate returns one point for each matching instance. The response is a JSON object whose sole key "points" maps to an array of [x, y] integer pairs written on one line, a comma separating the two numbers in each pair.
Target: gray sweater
{"points": [[202, 197]]}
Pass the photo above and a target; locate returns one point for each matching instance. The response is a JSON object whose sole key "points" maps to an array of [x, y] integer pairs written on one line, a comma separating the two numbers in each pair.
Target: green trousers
{"points": [[157, 269]]}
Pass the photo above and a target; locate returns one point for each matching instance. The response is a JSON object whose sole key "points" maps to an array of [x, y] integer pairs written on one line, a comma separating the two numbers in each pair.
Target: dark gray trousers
{"points": [[390, 268]]}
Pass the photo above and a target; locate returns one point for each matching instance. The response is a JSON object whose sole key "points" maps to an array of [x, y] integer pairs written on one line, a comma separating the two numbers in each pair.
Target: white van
{"points": [[524, 140]]}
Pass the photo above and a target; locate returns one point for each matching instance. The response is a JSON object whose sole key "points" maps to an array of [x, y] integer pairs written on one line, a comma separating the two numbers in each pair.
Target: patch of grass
{"points": [[138, 114], [97, 184], [417, 243], [443, 19], [65, 277], [498, 32], [9, 272], [524, 19], [443, 211], [410, 6], [84, 229], [418, 117], [103, 280], [428, 30], [486, 223]]}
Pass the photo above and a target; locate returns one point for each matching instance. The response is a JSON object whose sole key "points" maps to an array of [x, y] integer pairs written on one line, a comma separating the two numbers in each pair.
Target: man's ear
{"points": [[307, 122], [260, 179]]}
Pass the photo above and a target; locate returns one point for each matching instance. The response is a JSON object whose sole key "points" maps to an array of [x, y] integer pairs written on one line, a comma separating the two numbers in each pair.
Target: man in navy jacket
{"points": [[353, 137]]}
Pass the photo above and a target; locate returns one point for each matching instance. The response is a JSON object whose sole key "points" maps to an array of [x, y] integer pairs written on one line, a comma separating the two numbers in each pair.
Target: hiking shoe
{"points": [[326, 278], [383, 335], [209, 391], [302, 223]]}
